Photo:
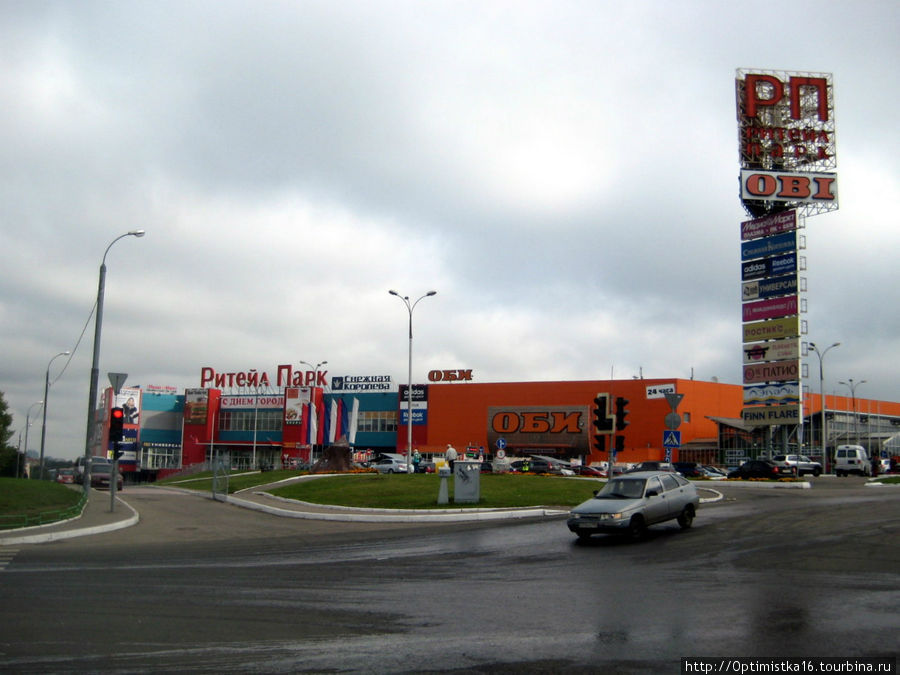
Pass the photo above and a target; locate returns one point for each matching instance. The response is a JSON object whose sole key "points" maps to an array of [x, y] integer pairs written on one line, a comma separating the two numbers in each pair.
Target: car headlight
{"points": [[614, 516]]}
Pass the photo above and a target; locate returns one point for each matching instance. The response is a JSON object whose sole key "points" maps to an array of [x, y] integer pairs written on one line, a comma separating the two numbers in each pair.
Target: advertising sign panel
{"points": [[295, 398], [787, 392], [773, 329], [804, 188], [346, 383], [419, 404], [251, 401], [770, 267], [785, 119], [775, 371], [660, 390], [129, 399], [769, 288], [196, 406], [775, 350], [774, 245], [770, 309], [768, 225], [548, 427], [766, 415]]}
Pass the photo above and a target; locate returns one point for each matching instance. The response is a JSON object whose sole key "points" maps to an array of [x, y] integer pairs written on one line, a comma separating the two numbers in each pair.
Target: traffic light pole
{"points": [[114, 478]]}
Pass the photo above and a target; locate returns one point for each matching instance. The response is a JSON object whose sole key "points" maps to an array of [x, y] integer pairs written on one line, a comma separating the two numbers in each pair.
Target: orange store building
{"points": [[555, 418]]}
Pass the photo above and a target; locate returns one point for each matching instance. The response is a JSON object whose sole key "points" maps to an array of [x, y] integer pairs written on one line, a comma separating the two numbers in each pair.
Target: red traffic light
{"points": [[116, 420]]}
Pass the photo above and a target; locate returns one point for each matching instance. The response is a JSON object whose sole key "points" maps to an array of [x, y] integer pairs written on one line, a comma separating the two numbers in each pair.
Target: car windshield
{"points": [[101, 468], [623, 488]]}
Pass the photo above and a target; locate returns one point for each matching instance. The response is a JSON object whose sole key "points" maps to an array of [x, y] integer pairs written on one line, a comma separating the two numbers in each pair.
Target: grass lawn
{"points": [[238, 481], [398, 491], [22, 499], [420, 491]]}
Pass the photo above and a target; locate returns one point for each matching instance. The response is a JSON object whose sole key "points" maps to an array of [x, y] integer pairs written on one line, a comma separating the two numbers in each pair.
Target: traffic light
{"points": [[602, 421], [620, 444], [621, 413], [116, 419]]}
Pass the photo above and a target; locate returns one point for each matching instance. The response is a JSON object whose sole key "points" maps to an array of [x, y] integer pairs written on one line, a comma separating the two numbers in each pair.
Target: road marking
{"points": [[6, 556]]}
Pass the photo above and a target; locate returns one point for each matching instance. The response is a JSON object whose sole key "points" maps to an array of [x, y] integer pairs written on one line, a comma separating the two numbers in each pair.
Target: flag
{"points": [[354, 415], [331, 422]]}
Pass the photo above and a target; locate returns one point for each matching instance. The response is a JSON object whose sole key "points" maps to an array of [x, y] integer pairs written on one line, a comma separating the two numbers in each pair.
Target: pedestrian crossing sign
{"points": [[671, 439]]}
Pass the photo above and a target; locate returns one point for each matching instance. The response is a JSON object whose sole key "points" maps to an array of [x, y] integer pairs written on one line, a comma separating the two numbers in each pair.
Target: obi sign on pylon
{"points": [[786, 140]]}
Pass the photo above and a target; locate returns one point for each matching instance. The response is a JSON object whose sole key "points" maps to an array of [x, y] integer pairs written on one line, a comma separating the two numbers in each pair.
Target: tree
{"points": [[8, 456]]}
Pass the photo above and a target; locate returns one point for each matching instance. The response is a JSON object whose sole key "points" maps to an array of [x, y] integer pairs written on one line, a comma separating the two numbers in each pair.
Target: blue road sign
{"points": [[671, 439]]}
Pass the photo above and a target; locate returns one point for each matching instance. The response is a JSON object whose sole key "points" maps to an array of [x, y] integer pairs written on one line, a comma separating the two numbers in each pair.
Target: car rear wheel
{"points": [[686, 517]]}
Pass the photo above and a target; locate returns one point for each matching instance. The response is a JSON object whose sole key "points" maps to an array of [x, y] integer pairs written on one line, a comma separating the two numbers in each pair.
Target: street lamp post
{"points": [[312, 408], [46, 398], [410, 307], [821, 356], [853, 385], [95, 362], [28, 424]]}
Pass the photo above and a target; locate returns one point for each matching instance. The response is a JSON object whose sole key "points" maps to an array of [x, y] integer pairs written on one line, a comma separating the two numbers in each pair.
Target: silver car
{"points": [[390, 464], [630, 503]]}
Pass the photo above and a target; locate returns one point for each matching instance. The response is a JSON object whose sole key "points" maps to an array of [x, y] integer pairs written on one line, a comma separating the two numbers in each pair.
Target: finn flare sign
{"points": [[771, 415]]}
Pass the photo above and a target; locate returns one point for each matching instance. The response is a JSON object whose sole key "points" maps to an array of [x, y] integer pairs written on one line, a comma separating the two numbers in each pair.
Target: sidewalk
{"points": [[94, 519]]}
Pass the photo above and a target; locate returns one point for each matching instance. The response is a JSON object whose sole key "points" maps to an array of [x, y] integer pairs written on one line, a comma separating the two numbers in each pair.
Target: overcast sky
{"points": [[563, 174]]}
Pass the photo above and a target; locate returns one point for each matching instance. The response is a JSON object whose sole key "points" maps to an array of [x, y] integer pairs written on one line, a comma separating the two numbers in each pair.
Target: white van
{"points": [[852, 459]]}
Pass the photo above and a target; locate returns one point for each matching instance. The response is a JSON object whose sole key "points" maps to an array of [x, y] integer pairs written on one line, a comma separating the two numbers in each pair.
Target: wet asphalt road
{"points": [[206, 587]]}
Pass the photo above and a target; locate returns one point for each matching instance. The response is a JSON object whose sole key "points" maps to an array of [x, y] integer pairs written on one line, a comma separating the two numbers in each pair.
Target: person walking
{"points": [[451, 456]]}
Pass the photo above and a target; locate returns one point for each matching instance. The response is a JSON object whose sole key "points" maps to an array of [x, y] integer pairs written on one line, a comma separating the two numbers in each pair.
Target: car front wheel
{"points": [[637, 527]]}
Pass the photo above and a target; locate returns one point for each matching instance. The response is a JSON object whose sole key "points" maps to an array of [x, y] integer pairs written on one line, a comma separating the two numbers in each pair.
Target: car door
{"points": [[655, 506], [753, 469], [675, 495]]}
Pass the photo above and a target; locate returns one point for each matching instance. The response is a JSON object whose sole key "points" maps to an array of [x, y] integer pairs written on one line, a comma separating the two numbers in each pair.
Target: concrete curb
{"points": [[804, 485], [349, 514], [717, 496], [79, 532]]}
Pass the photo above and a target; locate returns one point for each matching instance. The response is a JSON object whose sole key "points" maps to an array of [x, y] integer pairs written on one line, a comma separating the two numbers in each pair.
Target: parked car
{"points": [[79, 466], [652, 466], [584, 470], [389, 463], [713, 472], [852, 459], [792, 462], [487, 467], [534, 465], [65, 476], [630, 503], [760, 468], [425, 467], [101, 473], [689, 469]]}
